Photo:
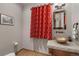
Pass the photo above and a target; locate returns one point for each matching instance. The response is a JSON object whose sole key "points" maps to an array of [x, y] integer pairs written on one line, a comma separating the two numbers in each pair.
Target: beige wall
{"points": [[9, 34]]}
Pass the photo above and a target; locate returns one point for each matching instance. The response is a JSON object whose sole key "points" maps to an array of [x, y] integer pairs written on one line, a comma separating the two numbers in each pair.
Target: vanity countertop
{"points": [[70, 46]]}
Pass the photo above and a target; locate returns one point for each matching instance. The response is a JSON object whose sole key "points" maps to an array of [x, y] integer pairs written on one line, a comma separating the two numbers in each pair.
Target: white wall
{"points": [[9, 34], [75, 13], [39, 44]]}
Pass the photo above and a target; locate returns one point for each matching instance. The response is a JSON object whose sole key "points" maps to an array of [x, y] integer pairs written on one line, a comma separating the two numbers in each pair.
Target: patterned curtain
{"points": [[41, 22]]}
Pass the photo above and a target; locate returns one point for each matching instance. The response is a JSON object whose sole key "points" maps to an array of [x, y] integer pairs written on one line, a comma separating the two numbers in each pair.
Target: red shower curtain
{"points": [[41, 22]]}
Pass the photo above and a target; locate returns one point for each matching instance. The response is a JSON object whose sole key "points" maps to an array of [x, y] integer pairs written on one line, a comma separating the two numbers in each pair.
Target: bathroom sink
{"points": [[70, 46], [65, 44]]}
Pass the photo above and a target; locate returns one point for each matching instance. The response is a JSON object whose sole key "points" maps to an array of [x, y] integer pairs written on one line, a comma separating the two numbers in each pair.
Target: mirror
{"points": [[59, 19]]}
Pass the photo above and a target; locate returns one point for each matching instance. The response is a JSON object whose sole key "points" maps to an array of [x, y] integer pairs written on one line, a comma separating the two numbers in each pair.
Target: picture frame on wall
{"points": [[6, 20]]}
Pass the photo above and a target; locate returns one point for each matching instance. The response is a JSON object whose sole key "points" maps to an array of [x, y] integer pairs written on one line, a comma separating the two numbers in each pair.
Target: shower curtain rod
{"points": [[42, 5]]}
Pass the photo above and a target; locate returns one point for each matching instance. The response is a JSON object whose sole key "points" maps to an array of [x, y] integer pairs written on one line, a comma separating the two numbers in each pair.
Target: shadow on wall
{"points": [[40, 45]]}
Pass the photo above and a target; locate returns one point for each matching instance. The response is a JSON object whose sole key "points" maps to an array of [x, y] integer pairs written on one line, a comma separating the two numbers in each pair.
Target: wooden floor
{"points": [[25, 52]]}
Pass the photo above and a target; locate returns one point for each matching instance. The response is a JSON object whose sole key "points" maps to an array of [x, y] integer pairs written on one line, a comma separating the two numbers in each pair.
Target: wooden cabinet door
{"points": [[55, 52], [60, 53]]}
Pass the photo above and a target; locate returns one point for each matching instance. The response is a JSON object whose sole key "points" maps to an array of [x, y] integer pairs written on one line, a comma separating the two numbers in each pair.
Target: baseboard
{"points": [[31, 50]]}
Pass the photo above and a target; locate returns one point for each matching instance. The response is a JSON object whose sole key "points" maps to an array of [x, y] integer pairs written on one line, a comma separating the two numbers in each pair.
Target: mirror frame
{"points": [[54, 13]]}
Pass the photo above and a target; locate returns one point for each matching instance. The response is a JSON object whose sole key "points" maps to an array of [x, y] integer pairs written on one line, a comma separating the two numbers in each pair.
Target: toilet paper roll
{"points": [[15, 43]]}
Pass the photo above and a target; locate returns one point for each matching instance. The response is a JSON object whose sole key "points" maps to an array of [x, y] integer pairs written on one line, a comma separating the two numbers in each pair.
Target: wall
{"points": [[75, 13], [41, 45], [9, 34], [75, 16]]}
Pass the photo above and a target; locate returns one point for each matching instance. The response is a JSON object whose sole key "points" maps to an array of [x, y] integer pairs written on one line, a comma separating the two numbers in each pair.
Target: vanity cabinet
{"points": [[55, 52], [57, 49]]}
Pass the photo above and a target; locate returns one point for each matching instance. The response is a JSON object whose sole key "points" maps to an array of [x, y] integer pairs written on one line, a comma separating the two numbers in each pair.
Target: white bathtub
{"points": [[10, 54]]}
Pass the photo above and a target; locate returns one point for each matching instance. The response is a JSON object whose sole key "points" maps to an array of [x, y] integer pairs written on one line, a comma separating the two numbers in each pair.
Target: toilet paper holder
{"points": [[15, 44]]}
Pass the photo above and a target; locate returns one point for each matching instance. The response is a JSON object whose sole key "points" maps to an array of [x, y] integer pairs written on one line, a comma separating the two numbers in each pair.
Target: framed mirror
{"points": [[59, 19]]}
